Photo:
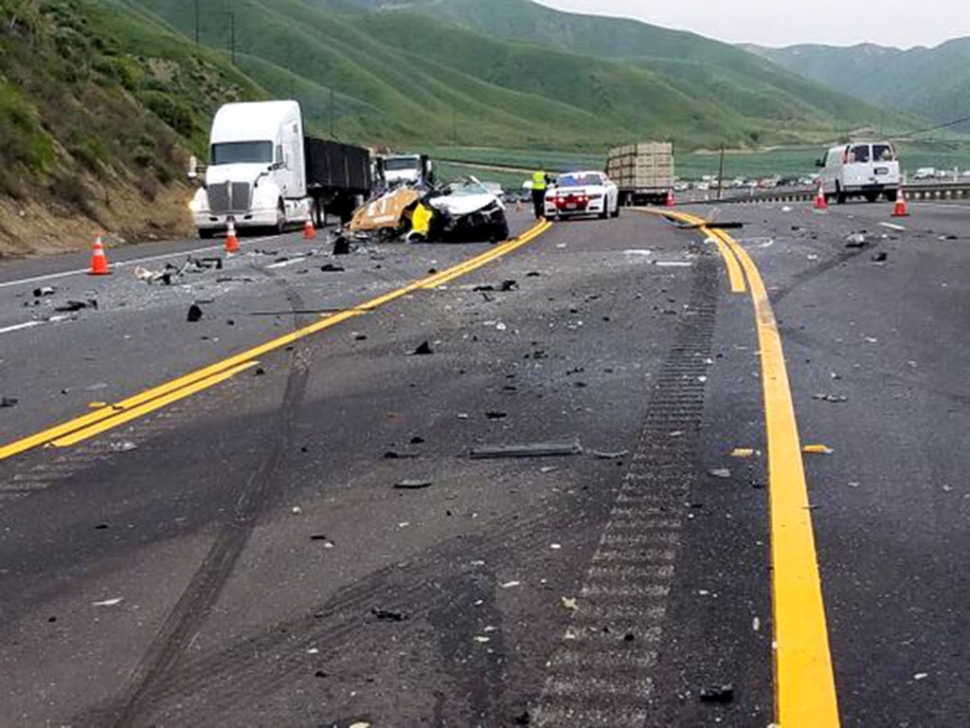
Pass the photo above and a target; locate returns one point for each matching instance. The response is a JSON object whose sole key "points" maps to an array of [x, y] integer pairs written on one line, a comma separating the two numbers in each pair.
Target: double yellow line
{"points": [[805, 691], [112, 416]]}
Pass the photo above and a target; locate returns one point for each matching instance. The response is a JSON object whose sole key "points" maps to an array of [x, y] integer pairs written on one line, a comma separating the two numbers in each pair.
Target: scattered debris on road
{"points": [[833, 398], [817, 450], [44, 291], [388, 615], [723, 473], [331, 268], [880, 257], [413, 484], [609, 455], [857, 240], [569, 603], [75, 306], [537, 450], [109, 602], [423, 349], [194, 314], [8, 402], [717, 694], [742, 452], [126, 446]]}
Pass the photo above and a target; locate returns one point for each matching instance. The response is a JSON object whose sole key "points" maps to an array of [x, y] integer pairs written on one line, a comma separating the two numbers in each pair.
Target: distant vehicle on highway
{"points": [[860, 169], [264, 173], [405, 169], [925, 173], [644, 173], [583, 193]]}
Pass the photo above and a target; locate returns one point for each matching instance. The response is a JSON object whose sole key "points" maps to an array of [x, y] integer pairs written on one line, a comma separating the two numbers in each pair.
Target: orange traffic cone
{"points": [[821, 201], [309, 232], [901, 209], [99, 262], [232, 242], [671, 200]]}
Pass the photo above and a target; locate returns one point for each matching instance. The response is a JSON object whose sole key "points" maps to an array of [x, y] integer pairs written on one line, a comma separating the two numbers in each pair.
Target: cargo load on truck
{"points": [[643, 172]]}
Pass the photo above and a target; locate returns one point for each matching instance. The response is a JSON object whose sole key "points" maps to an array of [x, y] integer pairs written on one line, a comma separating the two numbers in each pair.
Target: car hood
{"points": [[464, 204]]}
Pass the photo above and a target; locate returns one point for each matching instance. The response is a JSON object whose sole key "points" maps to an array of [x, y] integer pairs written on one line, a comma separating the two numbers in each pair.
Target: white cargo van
{"points": [[860, 169]]}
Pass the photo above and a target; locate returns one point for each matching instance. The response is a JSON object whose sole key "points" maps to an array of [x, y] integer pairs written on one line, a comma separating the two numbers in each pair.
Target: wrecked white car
{"points": [[467, 210]]}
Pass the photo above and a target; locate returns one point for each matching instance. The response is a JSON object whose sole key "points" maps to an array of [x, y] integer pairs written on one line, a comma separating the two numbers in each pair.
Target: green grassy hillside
{"points": [[98, 104], [466, 74], [933, 83]]}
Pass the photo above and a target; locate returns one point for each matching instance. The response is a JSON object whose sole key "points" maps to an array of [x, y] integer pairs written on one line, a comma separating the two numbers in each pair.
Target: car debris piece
{"points": [[880, 257], [194, 315], [857, 240], [496, 415], [126, 446], [341, 243], [834, 398], [717, 694], [817, 450], [720, 473], [109, 602], [423, 349], [388, 615], [524, 719], [75, 306], [394, 455], [569, 603], [537, 450], [331, 268], [609, 455], [8, 402], [742, 452], [413, 484], [43, 291]]}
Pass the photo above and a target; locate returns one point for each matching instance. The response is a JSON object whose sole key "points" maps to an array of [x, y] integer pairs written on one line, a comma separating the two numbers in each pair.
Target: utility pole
{"points": [[232, 37], [197, 22], [454, 128], [331, 113], [720, 175]]}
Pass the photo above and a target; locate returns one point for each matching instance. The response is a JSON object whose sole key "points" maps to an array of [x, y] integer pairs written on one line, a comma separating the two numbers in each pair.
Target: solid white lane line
{"points": [[893, 226], [21, 327]]}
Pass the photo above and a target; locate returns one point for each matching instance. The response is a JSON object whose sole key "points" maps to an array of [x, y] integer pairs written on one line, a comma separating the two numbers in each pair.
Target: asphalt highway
{"points": [[284, 513]]}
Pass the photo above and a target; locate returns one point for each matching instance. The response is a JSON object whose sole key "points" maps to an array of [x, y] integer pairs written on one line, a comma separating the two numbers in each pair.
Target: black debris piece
{"points": [[424, 349], [496, 415], [194, 315], [393, 455], [319, 537], [523, 719], [717, 694], [388, 615], [43, 291], [360, 337], [101, 527], [8, 402], [260, 372], [880, 257], [432, 271], [52, 619], [320, 674], [230, 322], [509, 285], [483, 288], [417, 440], [341, 244], [74, 306], [629, 637], [331, 268], [536, 450], [533, 274], [609, 455]]}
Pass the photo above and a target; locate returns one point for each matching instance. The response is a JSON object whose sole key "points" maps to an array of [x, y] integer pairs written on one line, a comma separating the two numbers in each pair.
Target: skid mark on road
{"points": [[602, 672]]}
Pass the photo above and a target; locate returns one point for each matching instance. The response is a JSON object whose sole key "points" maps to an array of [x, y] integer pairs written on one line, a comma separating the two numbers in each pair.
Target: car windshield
{"points": [[242, 153], [579, 180], [401, 164], [467, 187]]}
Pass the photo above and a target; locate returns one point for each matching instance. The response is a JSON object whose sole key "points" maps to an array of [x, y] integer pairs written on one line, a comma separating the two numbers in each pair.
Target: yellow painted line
{"points": [[805, 694], [132, 414], [805, 682], [735, 276], [60, 432]]}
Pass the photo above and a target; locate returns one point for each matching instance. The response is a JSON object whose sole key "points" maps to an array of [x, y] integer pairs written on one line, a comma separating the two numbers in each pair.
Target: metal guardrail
{"points": [[917, 191]]}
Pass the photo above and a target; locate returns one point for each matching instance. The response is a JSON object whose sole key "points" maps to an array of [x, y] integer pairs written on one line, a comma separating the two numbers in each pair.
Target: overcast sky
{"points": [[776, 23]]}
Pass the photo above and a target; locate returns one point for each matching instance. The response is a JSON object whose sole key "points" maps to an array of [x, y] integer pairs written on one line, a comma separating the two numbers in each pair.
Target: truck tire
{"points": [[206, 233], [500, 232], [616, 212], [892, 195], [872, 197], [840, 197]]}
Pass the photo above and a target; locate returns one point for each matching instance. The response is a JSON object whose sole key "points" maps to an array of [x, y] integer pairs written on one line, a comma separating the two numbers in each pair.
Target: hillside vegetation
{"points": [[98, 103], [933, 83]]}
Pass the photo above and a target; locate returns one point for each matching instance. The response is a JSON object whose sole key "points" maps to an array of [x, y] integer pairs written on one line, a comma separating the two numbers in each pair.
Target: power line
{"points": [[947, 125]]}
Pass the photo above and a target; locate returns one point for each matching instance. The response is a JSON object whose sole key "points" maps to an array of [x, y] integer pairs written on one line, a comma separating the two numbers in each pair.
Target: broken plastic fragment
{"points": [[742, 452], [817, 450], [109, 602], [721, 473], [569, 603]]}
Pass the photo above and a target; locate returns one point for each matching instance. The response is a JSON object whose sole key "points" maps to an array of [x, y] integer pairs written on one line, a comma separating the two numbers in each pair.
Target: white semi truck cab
{"points": [[406, 169], [265, 173]]}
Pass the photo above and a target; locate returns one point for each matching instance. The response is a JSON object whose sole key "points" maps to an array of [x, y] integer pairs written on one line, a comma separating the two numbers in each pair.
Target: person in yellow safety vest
{"points": [[420, 224], [540, 182]]}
